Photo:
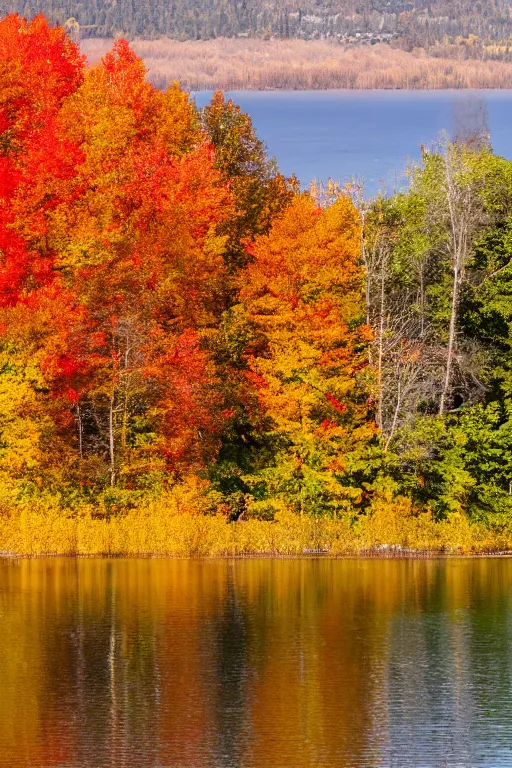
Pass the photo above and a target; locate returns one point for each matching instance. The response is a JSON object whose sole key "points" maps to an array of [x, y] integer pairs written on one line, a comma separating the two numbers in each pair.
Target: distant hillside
{"points": [[477, 29]]}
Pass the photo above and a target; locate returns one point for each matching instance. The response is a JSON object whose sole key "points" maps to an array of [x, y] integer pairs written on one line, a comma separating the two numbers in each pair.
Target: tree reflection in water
{"points": [[260, 663]]}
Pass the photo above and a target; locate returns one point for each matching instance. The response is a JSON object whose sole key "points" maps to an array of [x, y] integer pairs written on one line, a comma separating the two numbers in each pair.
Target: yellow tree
{"points": [[303, 294]]}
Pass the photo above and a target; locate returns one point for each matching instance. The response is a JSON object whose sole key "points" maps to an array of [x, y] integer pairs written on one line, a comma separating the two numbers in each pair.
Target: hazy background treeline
{"points": [[300, 44], [475, 27]]}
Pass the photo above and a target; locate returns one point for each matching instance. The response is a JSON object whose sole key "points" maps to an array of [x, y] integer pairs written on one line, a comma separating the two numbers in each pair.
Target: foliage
{"points": [[446, 278], [303, 295], [259, 190]]}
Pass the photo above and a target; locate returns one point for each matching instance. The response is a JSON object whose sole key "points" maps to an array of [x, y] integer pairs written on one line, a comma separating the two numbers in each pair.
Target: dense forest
{"points": [[423, 23], [182, 326]]}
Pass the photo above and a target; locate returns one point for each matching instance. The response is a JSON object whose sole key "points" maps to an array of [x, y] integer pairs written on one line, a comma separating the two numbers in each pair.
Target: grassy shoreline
{"points": [[170, 528], [361, 555]]}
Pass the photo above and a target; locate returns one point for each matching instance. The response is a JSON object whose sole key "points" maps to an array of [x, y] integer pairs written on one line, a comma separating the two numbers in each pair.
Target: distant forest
{"points": [[476, 29]]}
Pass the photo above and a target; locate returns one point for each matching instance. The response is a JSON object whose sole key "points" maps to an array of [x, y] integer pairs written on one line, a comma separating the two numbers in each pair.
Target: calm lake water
{"points": [[364, 134], [262, 663]]}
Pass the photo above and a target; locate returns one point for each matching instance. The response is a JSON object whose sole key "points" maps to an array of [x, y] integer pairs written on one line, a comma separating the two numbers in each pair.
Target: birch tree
{"points": [[455, 213]]}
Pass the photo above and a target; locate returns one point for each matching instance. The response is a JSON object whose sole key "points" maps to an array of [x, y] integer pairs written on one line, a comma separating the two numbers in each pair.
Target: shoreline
{"points": [[395, 89], [371, 554], [175, 527]]}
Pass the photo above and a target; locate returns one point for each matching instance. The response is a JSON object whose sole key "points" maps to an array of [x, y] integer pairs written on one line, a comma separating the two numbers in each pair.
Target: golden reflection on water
{"points": [[260, 663]]}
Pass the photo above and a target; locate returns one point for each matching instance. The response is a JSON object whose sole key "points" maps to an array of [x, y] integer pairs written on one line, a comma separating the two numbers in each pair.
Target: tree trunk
{"points": [[451, 341], [111, 441], [80, 435], [395, 415], [382, 303], [458, 226]]}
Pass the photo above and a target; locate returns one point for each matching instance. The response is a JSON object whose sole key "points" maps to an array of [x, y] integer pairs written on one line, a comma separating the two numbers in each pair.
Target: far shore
{"points": [[274, 65]]}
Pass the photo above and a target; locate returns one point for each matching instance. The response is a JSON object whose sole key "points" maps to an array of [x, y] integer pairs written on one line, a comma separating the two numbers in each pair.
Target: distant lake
{"points": [[140, 663], [365, 134]]}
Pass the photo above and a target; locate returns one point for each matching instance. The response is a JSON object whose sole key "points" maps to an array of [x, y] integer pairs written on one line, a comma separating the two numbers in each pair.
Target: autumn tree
{"points": [[114, 205], [455, 211], [39, 67], [259, 190], [304, 296], [138, 243], [438, 274]]}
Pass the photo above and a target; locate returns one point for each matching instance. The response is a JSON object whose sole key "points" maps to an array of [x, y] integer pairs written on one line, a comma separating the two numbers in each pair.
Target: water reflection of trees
{"points": [[258, 663]]}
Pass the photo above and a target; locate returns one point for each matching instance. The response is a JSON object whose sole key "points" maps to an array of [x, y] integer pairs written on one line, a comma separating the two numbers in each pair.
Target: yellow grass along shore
{"points": [[176, 526]]}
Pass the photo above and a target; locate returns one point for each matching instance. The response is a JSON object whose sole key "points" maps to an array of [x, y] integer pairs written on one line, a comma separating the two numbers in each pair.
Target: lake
{"points": [[370, 135], [257, 663]]}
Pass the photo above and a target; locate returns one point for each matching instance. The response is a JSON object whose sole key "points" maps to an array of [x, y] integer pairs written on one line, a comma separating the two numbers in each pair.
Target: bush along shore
{"points": [[197, 358]]}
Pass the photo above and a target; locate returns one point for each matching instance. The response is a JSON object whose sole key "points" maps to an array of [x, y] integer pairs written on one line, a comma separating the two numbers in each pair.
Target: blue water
{"points": [[370, 136]]}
